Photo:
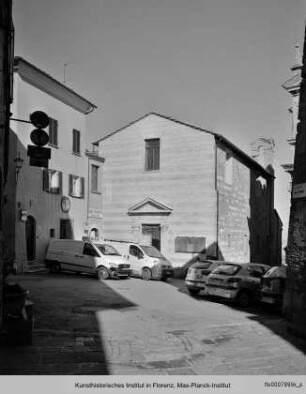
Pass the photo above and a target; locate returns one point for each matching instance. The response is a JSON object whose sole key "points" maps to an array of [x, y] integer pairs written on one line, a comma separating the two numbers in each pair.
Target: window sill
{"points": [[78, 197], [76, 154], [55, 193], [95, 192], [53, 146]]}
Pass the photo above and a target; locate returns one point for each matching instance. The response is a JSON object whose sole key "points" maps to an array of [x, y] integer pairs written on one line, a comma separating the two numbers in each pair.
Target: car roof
{"points": [[244, 263]]}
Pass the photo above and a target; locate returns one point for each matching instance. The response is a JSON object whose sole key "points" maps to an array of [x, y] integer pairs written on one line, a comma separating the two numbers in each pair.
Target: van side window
{"points": [[89, 250], [135, 251]]}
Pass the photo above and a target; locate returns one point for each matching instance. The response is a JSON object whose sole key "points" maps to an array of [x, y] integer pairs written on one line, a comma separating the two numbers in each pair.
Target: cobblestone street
{"points": [[133, 327]]}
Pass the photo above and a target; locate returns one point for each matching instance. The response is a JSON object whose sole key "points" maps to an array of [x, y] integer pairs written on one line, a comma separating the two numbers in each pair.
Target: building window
{"points": [[76, 186], [228, 173], [52, 181], [94, 178], [94, 234], [76, 142], [53, 126], [152, 154], [52, 233]]}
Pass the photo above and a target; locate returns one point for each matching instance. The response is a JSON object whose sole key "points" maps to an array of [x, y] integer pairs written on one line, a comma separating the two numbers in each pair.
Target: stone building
{"points": [[189, 191], [295, 294], [6, 98], [292, 86]]}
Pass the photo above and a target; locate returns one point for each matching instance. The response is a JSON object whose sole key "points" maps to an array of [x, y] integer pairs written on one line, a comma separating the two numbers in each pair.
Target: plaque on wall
{"points": [[65, 204]]}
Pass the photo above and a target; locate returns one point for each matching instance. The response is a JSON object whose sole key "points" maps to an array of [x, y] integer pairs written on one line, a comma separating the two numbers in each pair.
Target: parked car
{"points": [[146, 261], [239, 282], [100, 259], [197, 275], [273, 286]]}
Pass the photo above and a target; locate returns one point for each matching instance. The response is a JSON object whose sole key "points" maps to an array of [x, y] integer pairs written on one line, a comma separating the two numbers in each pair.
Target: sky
{"points": [[217, 64]]}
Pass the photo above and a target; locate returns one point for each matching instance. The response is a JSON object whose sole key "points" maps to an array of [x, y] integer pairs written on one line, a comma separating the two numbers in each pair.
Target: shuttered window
{"points": [[52, 181], [76, 186], [76, 142], [152, 156], [53, 128]]}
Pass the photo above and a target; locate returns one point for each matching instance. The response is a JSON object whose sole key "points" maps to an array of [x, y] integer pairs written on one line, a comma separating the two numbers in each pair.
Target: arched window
{"points": [[94, 234]]}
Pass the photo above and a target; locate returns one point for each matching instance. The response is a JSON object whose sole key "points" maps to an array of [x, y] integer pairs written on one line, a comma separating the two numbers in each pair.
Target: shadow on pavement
{"points": [[278, 325], [272, 319], [66, 336]]}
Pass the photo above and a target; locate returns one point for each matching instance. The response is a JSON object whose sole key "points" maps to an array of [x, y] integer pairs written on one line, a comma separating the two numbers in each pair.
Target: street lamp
{"points": [[18, 165]]}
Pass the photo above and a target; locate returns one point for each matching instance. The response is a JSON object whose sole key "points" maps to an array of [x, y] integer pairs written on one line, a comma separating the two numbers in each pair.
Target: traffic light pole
{"points": [[20, 120]]}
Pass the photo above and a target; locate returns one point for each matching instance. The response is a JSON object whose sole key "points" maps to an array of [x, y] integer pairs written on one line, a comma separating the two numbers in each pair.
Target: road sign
{"points": [[39, 156], [39, 137], [39, 119]]}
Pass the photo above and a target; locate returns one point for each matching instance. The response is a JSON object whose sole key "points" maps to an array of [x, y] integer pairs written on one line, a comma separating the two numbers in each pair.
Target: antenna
{"points": [[64, 71]]}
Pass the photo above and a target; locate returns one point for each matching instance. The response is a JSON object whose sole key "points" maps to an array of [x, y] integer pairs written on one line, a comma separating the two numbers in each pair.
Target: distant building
{"points": [[53, 202], [93, 228], [188, 191], [293, 85]]}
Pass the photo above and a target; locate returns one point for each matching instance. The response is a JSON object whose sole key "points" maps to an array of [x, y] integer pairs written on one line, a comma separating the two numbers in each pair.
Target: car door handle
{"points": [[79, 255]]}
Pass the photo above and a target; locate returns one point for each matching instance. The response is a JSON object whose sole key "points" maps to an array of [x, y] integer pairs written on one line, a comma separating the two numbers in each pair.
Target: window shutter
{"points": [[82, 187], [70, 185], [55, 132], [46, 180], [78, 142], [60, 174], [73, 141]]}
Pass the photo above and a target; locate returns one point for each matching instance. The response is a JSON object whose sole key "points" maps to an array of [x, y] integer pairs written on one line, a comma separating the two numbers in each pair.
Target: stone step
{"points": [[35, 266]]}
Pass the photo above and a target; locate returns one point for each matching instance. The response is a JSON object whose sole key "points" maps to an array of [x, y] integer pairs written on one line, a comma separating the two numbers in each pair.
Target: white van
{"points": [[145, 260], [100, 259]]}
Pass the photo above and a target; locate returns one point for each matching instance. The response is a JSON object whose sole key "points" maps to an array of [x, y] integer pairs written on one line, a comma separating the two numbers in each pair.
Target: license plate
{"points": [[219, 293], [268, 300]]}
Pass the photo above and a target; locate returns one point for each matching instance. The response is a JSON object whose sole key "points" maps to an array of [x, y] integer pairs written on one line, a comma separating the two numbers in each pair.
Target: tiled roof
{"points": [[45, 82]]}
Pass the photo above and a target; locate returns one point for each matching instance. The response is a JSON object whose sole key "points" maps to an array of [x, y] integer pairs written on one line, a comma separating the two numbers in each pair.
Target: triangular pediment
{"points": [[149, 206]]}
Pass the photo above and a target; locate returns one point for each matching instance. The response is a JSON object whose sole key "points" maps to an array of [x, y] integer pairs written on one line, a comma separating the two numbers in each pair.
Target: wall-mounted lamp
{"points": [[18, 165]]}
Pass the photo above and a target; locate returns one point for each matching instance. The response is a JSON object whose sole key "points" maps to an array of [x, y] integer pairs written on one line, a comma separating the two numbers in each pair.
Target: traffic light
{"points": [[39, 156]]}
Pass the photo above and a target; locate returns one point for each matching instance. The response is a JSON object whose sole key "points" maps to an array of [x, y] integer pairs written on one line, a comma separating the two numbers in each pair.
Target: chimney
{"points": [[262, 150]]}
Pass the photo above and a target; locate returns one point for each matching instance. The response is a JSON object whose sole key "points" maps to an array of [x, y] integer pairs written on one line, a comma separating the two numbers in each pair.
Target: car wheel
{"points": [[103, 273], [244, 299], [194, 291], [55, 268], [146, 274]]}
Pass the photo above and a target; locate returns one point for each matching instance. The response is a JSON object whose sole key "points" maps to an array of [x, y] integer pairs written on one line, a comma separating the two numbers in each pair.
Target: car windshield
{"points": [[108, 250], [227, 269], [151, 251], [203, 264]]}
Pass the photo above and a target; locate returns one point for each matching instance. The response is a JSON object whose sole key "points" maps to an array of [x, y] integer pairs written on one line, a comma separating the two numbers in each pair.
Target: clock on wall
{"points": [[65, 204]]}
